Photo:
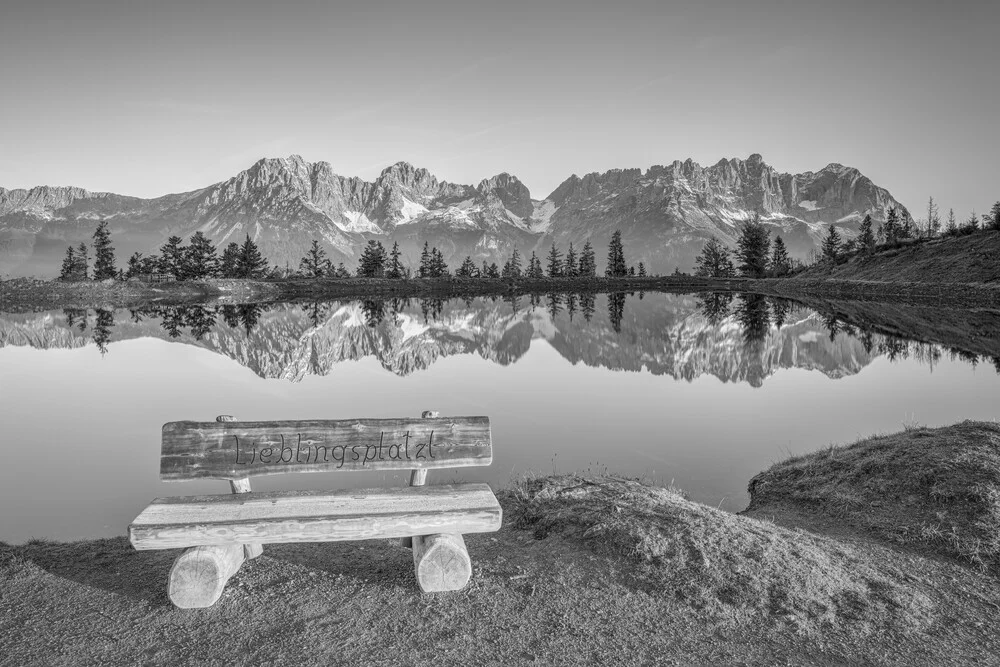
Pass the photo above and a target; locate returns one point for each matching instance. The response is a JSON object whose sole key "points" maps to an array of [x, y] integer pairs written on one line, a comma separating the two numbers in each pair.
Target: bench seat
{"points": [[311, 516]]}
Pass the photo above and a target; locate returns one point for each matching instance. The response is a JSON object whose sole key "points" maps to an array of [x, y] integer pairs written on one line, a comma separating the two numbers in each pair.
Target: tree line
{"points": [[200, 259], [197, 260], [756, 255]]}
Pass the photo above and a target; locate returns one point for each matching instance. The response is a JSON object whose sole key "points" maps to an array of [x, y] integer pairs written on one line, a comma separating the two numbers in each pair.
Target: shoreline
{"points": [[25, 294], [604, 569]]}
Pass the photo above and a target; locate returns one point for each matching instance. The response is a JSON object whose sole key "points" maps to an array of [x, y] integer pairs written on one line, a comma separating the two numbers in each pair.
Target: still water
{"points": [[703, 391]]}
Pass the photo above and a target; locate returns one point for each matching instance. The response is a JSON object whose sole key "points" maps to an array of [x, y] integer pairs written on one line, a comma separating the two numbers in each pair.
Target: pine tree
{"points": [[439, 269], [104, 253], [82, 265], [200, 259], [781, 263], [135, 266], [571, 265], [172, 257], [753, 248], [933, 219], [493, 271], [228, 265], [891, 229], [68, 271], [952, 226], [485, 271], [616, 257], [555, 262], [315, 263], [972, 224], [642, 270], [373, 260], [396, 271], [906, 227], [425, 262], [866, 237], [831, 244], [994, 220], [515, 264], [714, 261], [250, 264], [467, 269], [588, 263]]}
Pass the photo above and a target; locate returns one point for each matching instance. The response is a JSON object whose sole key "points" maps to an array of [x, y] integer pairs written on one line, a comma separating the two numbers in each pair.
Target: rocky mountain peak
{"points": [[512, 193]]}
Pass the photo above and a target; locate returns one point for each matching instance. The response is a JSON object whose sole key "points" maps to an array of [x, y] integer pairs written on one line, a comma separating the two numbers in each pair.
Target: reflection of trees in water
{"points": [[753, 312], [715, 306], [587, 307], [616, 310], [75, 315], [318, 311], [103, 324], [431, 308], [571, 305], [374, 312], [554, 304], [779, 311]]}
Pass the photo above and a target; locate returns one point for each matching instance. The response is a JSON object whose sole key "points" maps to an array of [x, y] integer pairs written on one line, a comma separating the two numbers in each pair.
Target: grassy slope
{"points": [[937, 489], [585, 571], [966, 259]]}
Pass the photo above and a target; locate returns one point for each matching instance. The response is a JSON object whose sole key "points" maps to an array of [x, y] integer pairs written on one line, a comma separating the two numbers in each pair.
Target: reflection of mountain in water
{"points": [[677, 335]]}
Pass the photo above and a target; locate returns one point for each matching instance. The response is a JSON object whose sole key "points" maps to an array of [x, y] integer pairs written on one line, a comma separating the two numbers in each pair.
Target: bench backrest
{"points": [[238, 449]]}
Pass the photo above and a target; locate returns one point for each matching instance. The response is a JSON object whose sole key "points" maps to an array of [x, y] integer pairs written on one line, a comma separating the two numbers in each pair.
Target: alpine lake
{"points": [[701, 391]]}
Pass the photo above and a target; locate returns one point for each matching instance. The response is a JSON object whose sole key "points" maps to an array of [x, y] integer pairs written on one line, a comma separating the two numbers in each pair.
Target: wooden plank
{"points": [[228, 450], [315, 516]]}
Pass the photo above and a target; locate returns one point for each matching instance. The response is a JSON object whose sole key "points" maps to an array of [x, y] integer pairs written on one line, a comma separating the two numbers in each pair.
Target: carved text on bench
{"points": [[339, 453]]}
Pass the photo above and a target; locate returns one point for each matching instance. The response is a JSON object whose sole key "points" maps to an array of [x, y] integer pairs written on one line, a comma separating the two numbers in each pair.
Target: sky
{"points": [[146, 98]]}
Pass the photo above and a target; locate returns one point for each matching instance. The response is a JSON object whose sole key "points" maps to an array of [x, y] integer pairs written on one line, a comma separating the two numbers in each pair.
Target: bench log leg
{"points": [[200, 574], [441, 562], [418, 477]]}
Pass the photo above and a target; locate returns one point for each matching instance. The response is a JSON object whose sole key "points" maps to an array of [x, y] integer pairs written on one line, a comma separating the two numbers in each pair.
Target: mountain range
{"points": [[665, 213], [662, 334]]}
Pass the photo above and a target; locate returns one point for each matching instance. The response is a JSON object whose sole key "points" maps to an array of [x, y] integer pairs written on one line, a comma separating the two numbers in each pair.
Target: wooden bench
{"points": [[221, 531]]}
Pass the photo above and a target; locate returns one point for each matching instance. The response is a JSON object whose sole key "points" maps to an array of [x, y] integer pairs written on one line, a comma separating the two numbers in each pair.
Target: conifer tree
{"points": [[373, 260], [172, 257], [228, 265], [515, 264], [906, 226], [616, 257], [588, 261], [994, 218], [68, 270], [82, 265], [425, 262], [753, 248], [439, 269], [315, 263], [104, 253], [831, 244], [135, 266], [781, 263], [535, 267], [714, 261], [250, 264], [493, 271], [891, 227], [555, 262], [952, 225], [200, 259], [571, 264], [396, 271], [642, 270], [485, 270], [972, 224], [866, 237], [467, 269], [933, 219]]}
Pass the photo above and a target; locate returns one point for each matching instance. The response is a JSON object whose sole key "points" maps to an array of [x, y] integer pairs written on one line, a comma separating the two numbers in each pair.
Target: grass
{"points": [[935, 489], [717, 564]]}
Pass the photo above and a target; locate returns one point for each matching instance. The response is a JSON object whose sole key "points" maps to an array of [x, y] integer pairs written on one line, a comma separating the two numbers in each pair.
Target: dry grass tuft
{"points": [[935, 488], [732, 567]]}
